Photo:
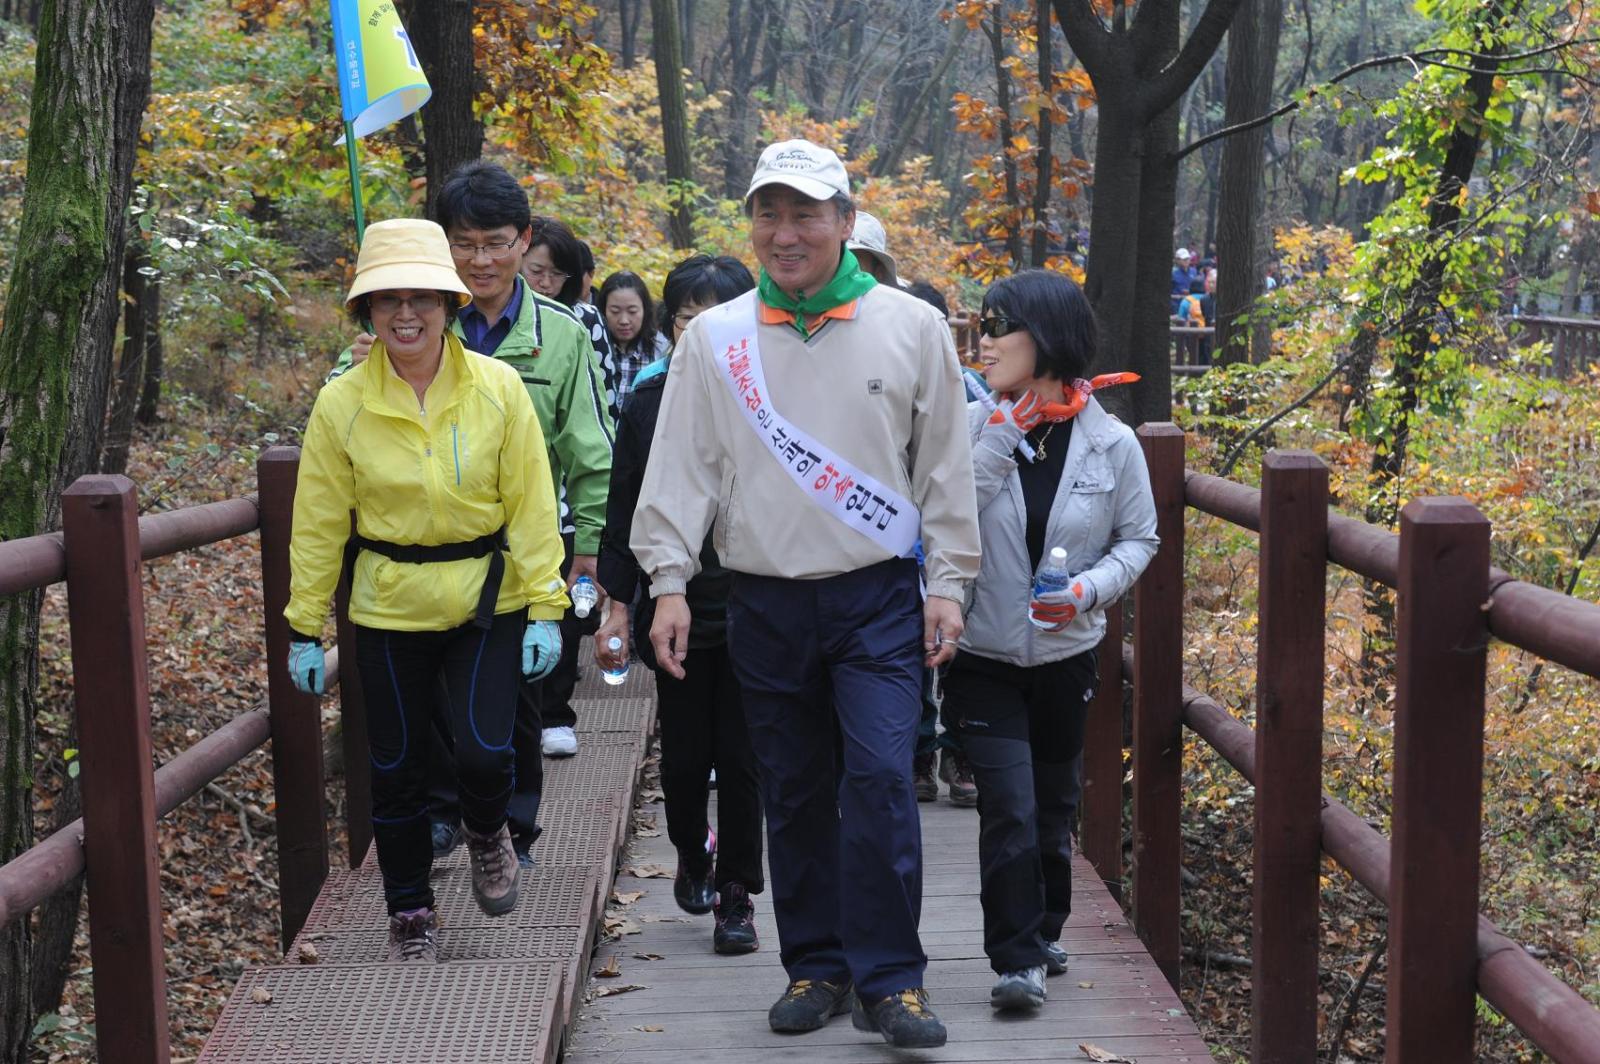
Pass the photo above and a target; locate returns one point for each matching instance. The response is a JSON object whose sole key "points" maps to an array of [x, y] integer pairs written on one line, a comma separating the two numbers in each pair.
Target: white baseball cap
{"points": [[1182, 253], [870, 237], [809, 169]]}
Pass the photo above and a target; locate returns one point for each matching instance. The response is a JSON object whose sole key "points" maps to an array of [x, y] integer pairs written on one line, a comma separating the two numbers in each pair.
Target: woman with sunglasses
{"points": [[454, 567], [1052, 469], [701, 715]]}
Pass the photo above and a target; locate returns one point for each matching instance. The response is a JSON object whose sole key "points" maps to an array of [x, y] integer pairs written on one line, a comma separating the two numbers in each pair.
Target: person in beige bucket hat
{"points": [[454, 566]]}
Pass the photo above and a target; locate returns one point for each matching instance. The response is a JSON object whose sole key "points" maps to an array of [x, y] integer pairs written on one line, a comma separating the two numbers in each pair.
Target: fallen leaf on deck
{"points": [[649, 871], [626, 897], [621, 988], [1103, 1056], [261, 996], [1086, 986], [610, 970], [616, 927], [651, 1028], [648, 833], [648, 957]]}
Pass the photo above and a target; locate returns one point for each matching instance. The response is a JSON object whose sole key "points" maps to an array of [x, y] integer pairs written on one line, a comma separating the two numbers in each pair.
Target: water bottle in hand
{"points": [[620, 673], [584, 596], [1053, 575]]}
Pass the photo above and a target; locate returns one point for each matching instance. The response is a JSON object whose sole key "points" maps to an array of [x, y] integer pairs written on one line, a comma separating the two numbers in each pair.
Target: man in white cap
{"points": [[1183, 275], [870, 244], [820, 422]]}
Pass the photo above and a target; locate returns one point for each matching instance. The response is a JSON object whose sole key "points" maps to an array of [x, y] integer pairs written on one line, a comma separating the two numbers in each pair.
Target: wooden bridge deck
{"points": [[693, 1006], [515, 989]]}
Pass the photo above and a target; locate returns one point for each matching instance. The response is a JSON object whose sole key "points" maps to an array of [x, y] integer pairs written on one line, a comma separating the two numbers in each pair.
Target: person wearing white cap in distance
{"points": [[871, 246], [1183, 275], [778, 404]]}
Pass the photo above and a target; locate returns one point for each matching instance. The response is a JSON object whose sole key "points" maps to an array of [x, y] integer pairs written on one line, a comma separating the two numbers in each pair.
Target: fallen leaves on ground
{"points": [[626, 897], [650, 1028], [610, 970], [1103, 1056], [649, 871], [620, 988]]}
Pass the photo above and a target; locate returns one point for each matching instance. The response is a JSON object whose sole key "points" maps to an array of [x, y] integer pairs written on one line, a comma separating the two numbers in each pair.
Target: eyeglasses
{"points": [[496, 252], [536, 273], [995, 326], [682, 319], [421, 303]]}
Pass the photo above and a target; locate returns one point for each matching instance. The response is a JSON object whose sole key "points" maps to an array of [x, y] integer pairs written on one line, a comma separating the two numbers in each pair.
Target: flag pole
{"points": [[355, 181]]}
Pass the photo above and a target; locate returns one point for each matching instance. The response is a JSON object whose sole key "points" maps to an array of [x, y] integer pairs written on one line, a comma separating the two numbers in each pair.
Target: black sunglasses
{"points": [[995, 327]]}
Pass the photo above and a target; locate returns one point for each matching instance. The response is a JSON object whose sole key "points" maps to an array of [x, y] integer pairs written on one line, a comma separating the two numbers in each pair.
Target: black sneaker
{"points": [[736, 922], [922, 777], [694, 888], [446, 837], [904, 1020], [808, 1005]]}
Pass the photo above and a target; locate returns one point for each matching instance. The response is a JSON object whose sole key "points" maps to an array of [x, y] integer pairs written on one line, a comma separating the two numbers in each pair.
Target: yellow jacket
{"points": [[472, 462]]}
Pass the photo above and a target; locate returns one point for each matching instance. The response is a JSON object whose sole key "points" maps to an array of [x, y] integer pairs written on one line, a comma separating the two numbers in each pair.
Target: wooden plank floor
{"points": [[694, 1006], [507, 987]]}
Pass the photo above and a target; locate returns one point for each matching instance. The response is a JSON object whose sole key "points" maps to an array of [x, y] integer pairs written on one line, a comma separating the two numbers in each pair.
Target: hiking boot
{"points": [[904, 1020], [1022, 989], [736, 922], [446, 837], [808, 1005], [494, 871], [558, 742], [694, 888], [411, 936], [922, 778], [1055, 958], [957, 773]]}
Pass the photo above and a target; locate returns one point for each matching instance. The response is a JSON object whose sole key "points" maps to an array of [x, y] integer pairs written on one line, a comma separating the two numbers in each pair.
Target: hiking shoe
{"points": [[736, 922], [694, 888], [904, 1020], [808, 1005], [446, 837], [558, 742], [411, 936], [957, 773], [1055, 958], [1022, 989], [494, 871], [922, 778]]}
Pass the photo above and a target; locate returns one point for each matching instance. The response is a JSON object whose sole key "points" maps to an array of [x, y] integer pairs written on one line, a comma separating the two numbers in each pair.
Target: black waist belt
{"points": [[417, 554]]}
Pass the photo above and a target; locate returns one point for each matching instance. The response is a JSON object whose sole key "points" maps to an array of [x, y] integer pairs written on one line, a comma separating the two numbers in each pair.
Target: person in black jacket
{"points": [[701, 716]]}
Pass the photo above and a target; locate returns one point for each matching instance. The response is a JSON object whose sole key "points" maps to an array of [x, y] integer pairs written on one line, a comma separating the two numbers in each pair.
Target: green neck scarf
{"points": [[849, 282]]}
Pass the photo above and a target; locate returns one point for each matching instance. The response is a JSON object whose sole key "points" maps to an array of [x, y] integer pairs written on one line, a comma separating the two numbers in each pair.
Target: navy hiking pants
{"points": [[399, 676], [831, 673]]}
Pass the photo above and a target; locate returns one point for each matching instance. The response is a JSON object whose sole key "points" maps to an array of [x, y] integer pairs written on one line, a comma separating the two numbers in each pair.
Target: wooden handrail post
{"points": [[1442, 637], [111, 696], [353, 727], [299, 790], [1158, 708], [1288, 803], [1100, 828]]}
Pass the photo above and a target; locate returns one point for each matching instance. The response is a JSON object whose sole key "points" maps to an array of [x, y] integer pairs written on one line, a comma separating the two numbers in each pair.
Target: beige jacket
{"points": [[882, 389]]}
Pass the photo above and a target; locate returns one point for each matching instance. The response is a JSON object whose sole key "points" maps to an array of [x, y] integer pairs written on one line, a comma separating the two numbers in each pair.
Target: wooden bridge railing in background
{"points": [[98, 553], [1574, 342], [1441, 951]]}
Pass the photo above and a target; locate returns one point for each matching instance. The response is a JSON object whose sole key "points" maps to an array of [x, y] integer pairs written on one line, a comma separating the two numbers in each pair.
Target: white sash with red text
{"points": [[855, 498]]}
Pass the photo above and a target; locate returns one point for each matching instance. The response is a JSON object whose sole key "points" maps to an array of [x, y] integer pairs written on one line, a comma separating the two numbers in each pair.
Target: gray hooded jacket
{"points": [[1103, 516]]}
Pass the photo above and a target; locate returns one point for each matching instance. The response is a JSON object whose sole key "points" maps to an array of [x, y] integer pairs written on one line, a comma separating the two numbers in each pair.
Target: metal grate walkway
{"points": [[505, 988]]}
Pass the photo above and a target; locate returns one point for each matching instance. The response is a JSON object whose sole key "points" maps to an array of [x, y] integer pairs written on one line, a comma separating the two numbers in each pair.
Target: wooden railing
{"points": [[1574, 342], [1441, 952], [98, 554]]}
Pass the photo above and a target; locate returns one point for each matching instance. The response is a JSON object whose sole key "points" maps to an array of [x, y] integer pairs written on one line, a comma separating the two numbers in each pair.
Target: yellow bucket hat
{"points": [[406, 253]]}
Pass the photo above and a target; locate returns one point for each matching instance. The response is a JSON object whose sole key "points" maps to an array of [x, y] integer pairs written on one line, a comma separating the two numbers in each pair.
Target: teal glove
{"points": [[306, 666], [541, 649]]}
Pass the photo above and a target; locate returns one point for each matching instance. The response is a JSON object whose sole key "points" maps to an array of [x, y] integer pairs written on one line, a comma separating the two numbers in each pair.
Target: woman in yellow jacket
{"points": [[456, 561]]}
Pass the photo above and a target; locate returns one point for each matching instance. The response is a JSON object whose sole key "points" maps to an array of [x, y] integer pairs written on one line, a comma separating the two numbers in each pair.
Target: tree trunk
{"points": [[1043, 157], [150, 390], [1252, 60], [888, 162], [140, 320], [25, 12], [674, 117], [629, 11], [1139, 74], [91, 82], [441, 33], [995, 28], [686, 30]]}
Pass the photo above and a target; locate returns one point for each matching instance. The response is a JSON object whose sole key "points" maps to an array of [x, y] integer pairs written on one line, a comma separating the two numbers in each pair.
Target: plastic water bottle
{"points": [[584, 596], [1053, 575], [620, 673]]}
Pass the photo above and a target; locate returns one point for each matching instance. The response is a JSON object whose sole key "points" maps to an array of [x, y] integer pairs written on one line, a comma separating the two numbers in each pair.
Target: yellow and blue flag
{"points": [[380, 78]]}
